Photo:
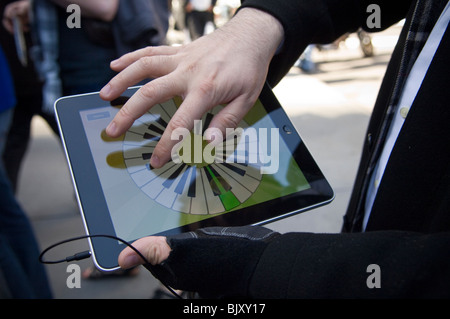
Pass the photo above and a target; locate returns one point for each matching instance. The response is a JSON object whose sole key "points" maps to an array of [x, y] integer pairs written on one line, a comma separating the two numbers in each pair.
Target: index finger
{"points": [[190, 110], [131, 57], [144, 68], [152, 93]]}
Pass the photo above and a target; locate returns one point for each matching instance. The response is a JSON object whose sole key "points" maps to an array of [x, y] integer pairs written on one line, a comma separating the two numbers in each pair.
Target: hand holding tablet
{"points": [[262, 171], [142, 159]]}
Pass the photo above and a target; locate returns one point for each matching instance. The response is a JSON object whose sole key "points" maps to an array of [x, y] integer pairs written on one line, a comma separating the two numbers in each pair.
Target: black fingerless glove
{"points": [[215, 262]]}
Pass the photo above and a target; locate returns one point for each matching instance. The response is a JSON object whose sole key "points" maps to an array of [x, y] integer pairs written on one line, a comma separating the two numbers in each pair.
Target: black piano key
{"points": [[149, 136], [208, 119], [234, 168], [121, 100], [211, 182], [220, 179], [161, 122], [236, 155], [191, 190], [146, 156], [156, 129], [168, 182]]}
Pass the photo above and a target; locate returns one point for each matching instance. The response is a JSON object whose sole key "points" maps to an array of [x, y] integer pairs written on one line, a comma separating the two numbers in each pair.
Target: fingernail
{"points": [[114, 62], [154, 161], [130, 261], [106, 89], [111, 129]]}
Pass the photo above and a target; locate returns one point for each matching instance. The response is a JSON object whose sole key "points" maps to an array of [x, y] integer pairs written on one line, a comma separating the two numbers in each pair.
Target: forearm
{"points": [[258, 28], [255, 262], [321, 266]]}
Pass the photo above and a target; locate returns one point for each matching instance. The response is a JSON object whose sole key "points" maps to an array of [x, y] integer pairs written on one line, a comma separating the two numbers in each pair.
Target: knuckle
{"points": [[178, 122], [190, 68], [155, 253], [148, 50], [126, 114], [158, 89], [206, 88], [149, 91], [146, 62], [229, 120]]}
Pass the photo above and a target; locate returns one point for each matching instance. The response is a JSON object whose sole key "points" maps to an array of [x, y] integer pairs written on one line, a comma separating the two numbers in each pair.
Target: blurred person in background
{"points": [[21, 273], [199, 17], [27, 83], [65, 60], [71, 52]]}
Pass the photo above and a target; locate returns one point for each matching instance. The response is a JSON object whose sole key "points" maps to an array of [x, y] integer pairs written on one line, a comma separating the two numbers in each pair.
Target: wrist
{"points": [[258, 28]]}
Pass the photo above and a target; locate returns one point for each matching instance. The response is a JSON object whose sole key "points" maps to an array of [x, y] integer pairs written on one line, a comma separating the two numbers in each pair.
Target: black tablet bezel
{"points": [[91, 198]]}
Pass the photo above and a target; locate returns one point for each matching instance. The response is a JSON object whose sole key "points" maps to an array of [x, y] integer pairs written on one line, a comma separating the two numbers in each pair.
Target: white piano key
{"points": [[248, 181], [169, 107], [159, 111], [144, 175], [154, 185]]}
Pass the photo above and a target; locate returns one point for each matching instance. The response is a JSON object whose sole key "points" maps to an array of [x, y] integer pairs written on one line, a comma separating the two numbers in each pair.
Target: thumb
{"points": [[154, 249]]}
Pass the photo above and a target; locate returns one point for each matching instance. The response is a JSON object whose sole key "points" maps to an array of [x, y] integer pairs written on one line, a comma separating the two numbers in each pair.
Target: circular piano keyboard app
{"points": [[209, 181]]}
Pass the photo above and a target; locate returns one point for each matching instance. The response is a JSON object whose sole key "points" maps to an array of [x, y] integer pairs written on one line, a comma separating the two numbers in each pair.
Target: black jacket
{"points": [[408, 233], [405, 250]]}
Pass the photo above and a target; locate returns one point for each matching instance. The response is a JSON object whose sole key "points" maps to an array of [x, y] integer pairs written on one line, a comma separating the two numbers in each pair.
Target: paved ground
{"points": [[330, 109]]}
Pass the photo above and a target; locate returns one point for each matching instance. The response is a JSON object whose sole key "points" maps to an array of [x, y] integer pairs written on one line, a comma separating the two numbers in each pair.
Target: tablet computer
{"points": [[260, 171]]}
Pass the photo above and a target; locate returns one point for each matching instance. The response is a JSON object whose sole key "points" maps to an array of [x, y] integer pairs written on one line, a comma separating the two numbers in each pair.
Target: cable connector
{"points": [[87, 254], [79, 256]]}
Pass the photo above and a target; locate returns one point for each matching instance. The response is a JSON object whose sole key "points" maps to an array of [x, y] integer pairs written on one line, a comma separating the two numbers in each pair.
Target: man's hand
{"points": [[154, 249], [213, 261], [228, 66]]}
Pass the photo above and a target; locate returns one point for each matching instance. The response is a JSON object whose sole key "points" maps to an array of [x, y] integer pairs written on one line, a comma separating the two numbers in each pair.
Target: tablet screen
{"points": [[255, 173], [252, 165]]}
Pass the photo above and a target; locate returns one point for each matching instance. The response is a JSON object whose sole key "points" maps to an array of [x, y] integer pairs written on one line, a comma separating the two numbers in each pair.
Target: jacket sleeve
{"points": [[319, 22], [384, 264], [388, 264]]}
